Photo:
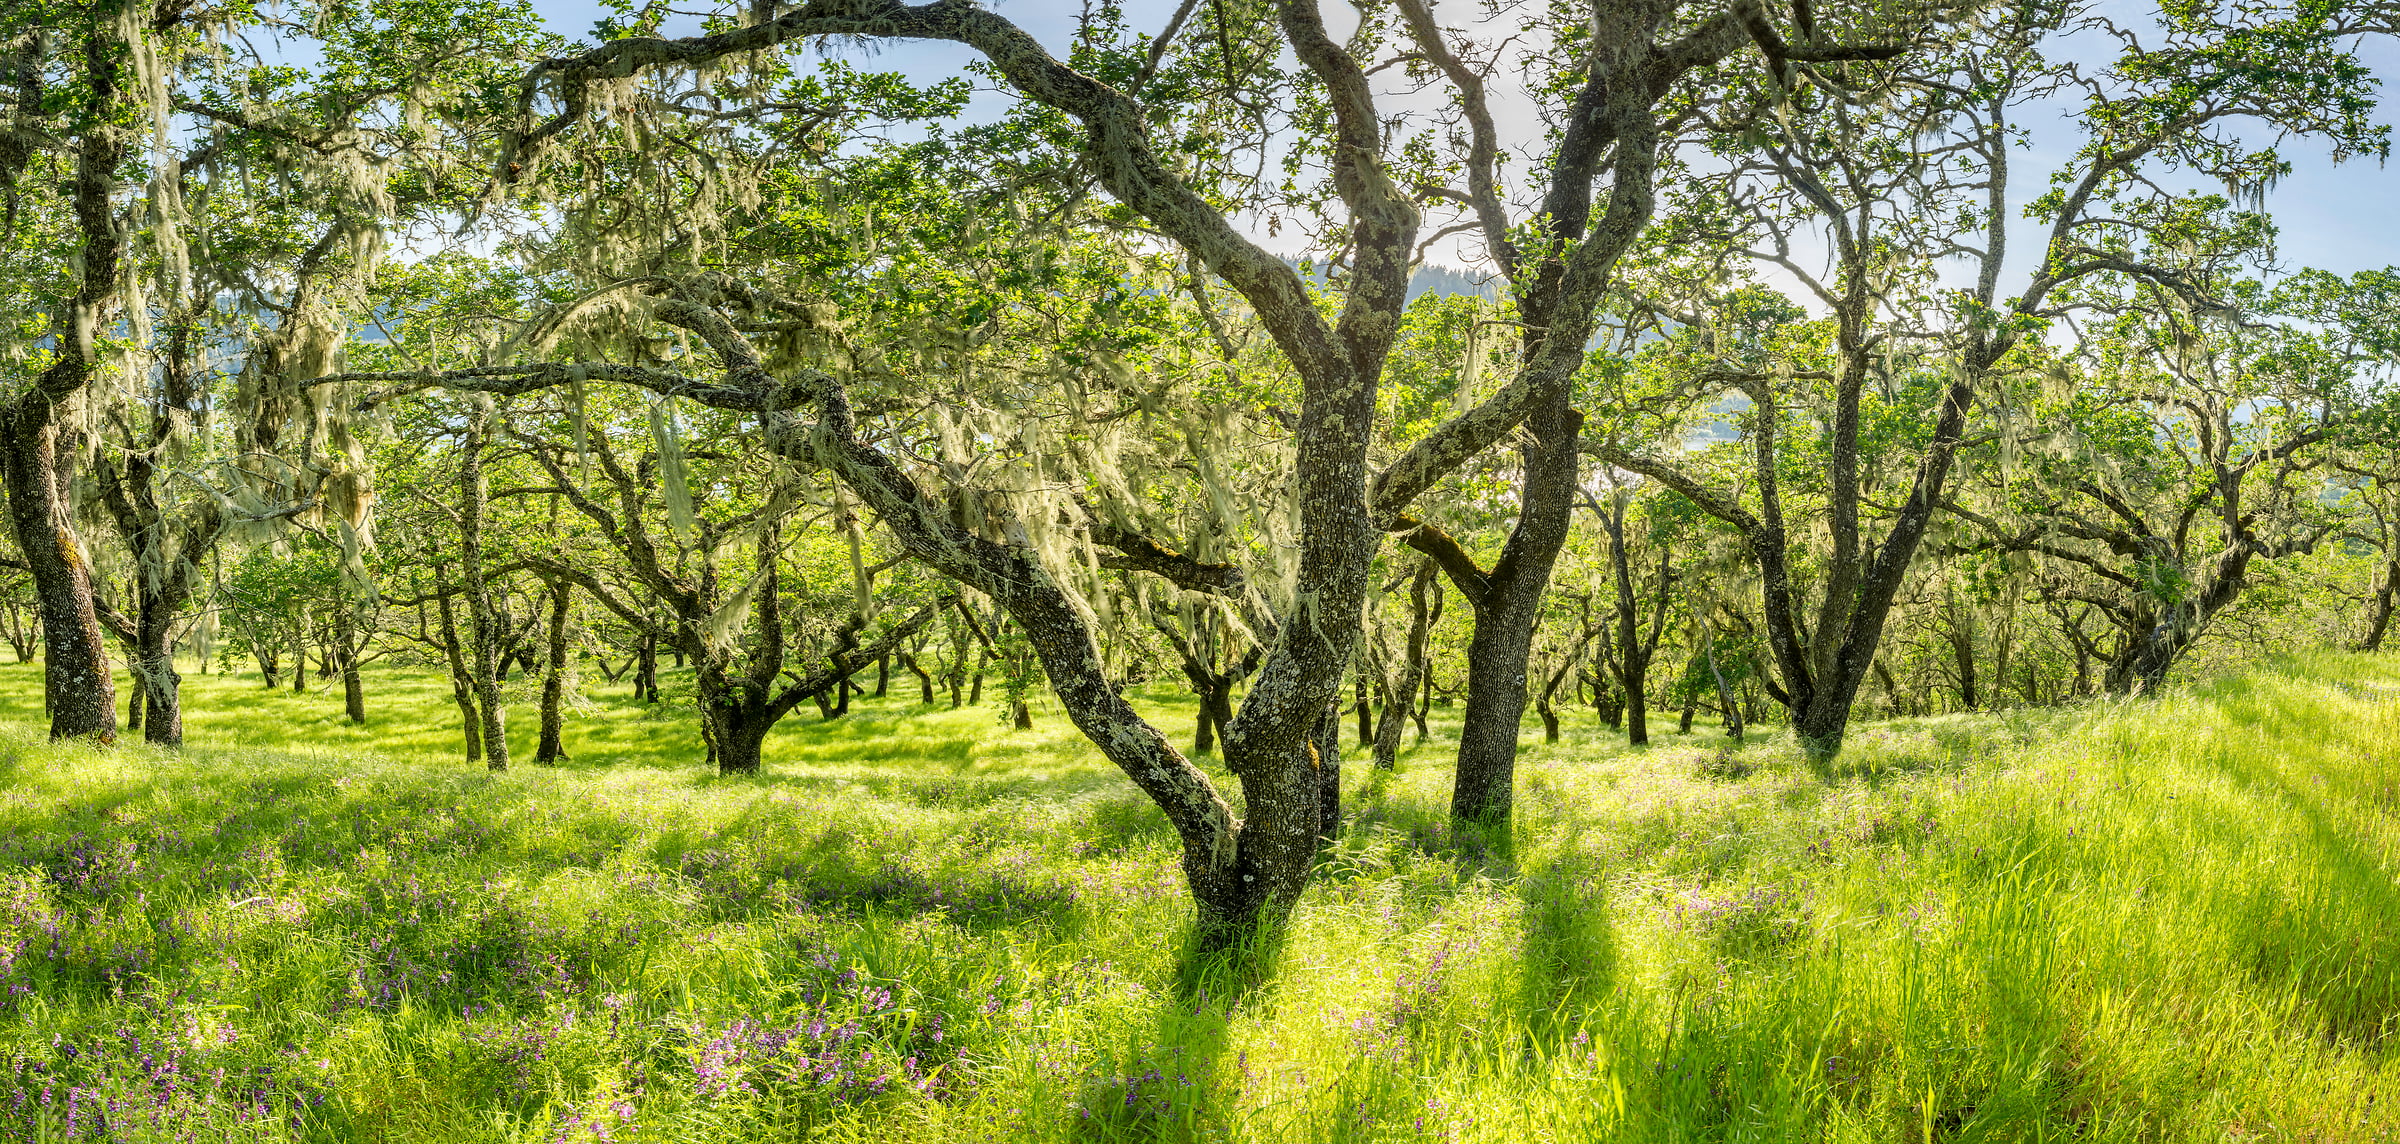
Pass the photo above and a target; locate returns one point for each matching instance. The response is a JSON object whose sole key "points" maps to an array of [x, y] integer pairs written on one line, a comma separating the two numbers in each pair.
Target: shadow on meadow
{"points": [[2326, 935]]}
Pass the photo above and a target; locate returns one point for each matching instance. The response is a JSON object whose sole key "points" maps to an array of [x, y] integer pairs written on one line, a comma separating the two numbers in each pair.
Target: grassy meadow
{"points": [[2164, 921]]}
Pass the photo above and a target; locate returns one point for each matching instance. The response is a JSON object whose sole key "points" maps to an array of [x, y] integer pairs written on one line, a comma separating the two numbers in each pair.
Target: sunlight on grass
{"points": [[2175, 920]]}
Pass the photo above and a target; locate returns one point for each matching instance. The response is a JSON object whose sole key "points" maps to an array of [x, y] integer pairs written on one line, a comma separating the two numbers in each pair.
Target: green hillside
{"points": [[2171, 920]]}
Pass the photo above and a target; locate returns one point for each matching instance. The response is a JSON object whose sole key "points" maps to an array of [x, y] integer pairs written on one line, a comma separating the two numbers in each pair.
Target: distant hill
{"points": [[1430, 279], [1452, 280]]}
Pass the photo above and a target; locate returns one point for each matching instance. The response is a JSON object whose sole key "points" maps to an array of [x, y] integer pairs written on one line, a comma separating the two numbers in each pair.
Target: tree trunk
{"points": [[77, 685], [1733, 714], [1204, 722], [1325, 749], [1891, 687], [1215, 693], [345, 650], [551, 750], [1424, 705], [1400, 699], [1824, 718], [737, 740], [2141, 667], [1637, 702], [924, 680], [1511, 603], [2379, 608], [1364, 710], [485, 626], [645, 678], [2157, 639], [299, 652], [462, 680], [1962, 650], [270, 663], [883, 676], [155, 678]]}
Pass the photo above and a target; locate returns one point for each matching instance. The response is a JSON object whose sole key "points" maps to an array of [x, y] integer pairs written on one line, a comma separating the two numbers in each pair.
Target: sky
{"points": [[2342, 218]]}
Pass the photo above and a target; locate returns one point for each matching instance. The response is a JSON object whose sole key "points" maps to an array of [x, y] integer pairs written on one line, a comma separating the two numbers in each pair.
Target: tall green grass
{"points": [[2170, 920]]}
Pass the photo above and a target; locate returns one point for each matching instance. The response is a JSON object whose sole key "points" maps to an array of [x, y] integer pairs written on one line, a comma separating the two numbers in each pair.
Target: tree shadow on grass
{"points": [[762, 862], [1568, 967], [1173, 1083], [2341, 947]]}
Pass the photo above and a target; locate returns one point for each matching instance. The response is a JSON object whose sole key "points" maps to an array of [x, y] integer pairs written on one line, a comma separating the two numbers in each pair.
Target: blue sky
{"points": [[2336, 217]]}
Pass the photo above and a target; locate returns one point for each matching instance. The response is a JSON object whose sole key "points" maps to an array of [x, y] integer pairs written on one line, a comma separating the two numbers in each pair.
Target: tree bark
{"points": [[485, 627], [1634, 649], [299, 637], [1961, 635], [736, 737], [345, 650], [77, 684], [1691, 693], [1733, 714], [154, 704], [1543, 705], [1507, 605], [462, 677], [1364, 710], [551, 750], [924, 680], [2380, 606], [1325, 751], [162, 691], [1216, 706], [645, 677], [1400, 696]]}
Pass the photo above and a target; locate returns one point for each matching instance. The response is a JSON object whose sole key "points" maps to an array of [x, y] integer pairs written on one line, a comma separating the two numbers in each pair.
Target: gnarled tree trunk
{"points": [[77, 685]]}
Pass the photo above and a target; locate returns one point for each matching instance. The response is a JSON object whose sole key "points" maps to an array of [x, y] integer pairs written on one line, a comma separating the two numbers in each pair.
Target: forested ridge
{"points": [[1306, 416]]}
